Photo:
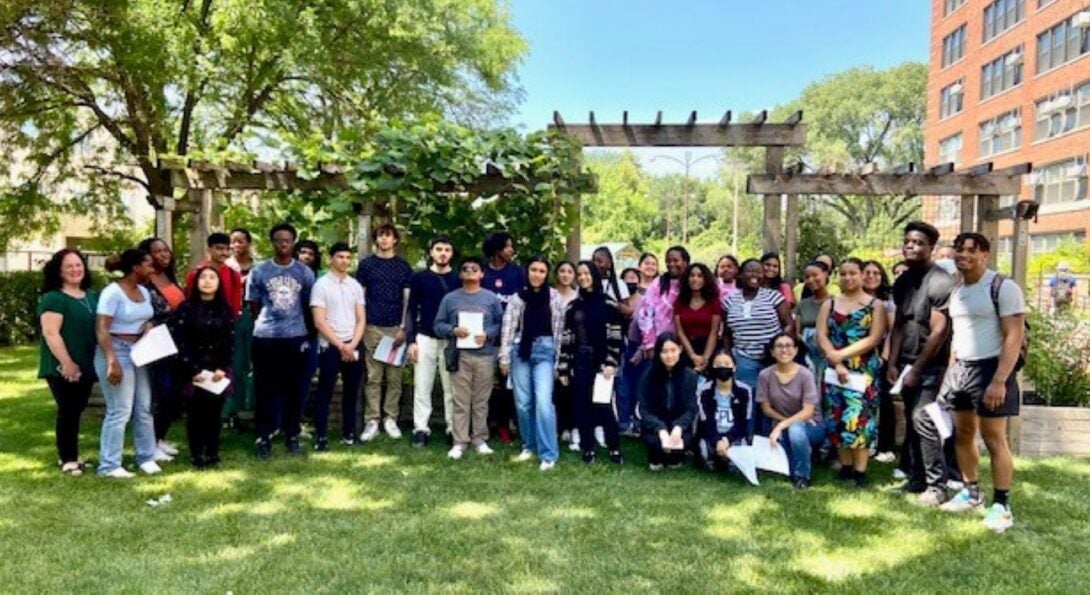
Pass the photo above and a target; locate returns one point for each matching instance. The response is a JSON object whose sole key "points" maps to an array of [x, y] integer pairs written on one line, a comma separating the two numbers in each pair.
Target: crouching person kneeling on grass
{"points": [[789, 398], [726, 412], [668, 407], [472, 381]]}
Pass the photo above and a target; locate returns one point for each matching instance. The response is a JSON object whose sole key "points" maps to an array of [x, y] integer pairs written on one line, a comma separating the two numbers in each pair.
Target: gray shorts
{"points": [[964, 385]]}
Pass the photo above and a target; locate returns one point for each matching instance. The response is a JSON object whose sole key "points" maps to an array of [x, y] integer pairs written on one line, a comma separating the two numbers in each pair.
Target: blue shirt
{"points": [[283, 293], [384, 281]]}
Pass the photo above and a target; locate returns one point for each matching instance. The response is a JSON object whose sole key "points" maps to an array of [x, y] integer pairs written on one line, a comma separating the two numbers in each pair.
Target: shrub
{"points": [[19, 305], [1058, 361]]}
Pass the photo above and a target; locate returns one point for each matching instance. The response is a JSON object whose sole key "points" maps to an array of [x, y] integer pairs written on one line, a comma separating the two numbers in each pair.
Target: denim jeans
{"points": [[533, 381], [746, 370], [799, 441], [626, 389], [130, 399], [351, 373]]}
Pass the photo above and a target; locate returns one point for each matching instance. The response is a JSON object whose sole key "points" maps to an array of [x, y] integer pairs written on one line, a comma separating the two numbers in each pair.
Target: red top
{"points": [[697, 324], [229, 278]]}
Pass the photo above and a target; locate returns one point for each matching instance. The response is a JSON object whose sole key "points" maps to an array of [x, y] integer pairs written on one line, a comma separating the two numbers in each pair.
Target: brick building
{"points": [[1009, 82]]}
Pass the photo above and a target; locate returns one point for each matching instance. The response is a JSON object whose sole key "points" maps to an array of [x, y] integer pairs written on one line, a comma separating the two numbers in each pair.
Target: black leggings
{"points": [[657, 456], [166, 402], [202, 424], [71, 398], [586, 414]]}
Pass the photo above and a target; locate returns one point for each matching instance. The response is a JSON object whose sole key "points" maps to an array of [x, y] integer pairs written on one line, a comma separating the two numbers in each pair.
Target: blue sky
{"points": [[707, 55]]}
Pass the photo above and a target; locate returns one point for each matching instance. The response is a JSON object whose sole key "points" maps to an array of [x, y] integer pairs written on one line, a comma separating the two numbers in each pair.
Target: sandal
{"points": [[72, 468]]}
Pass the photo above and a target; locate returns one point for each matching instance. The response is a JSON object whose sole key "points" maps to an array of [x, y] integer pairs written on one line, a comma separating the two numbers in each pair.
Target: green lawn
{"points": [[387, 518]]}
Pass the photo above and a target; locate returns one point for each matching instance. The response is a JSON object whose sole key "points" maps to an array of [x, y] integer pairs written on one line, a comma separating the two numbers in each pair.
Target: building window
{"points": [[952, 99], [1001, 74], [1002, 15], [951, 6], [1061, 182], [950, 150], [1064, 42], [1001, 134], [1062, 112], [953, 46], [948, 210], [1047, 242], [1043, 3]]}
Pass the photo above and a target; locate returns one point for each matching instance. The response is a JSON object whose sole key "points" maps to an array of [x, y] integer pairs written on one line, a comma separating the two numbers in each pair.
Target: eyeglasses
{"points": [[784, 346]]}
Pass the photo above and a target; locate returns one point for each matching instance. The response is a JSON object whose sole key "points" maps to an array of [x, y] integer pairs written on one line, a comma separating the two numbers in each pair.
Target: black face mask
{"points": [[632, 288], [723, 374]]}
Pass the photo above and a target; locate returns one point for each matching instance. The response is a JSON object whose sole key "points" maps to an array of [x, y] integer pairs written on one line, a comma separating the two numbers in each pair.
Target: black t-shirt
{"points": [[916, 293]]}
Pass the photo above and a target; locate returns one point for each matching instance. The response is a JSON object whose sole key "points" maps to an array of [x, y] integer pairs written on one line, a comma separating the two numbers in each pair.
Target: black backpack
{"points": [[997, 283]]}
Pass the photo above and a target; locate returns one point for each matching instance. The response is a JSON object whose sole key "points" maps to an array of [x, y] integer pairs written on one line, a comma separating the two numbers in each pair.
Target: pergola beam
{"points": [[892, 184], [685, 135]]}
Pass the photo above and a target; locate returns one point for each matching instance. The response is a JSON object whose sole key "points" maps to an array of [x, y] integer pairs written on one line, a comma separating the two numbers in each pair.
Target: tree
{"points": [[622, 210], [189, 77]]}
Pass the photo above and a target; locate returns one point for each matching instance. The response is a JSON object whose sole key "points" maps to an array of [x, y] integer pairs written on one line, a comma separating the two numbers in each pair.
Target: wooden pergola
{"points": [[978, 187], [773, 137], [202, 181]]}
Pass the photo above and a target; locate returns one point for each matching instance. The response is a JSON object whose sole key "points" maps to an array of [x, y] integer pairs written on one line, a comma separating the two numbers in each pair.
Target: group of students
{"points": [[686, 359]]}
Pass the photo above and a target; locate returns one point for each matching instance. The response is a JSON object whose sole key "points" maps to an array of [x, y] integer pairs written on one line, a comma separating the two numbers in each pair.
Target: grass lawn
{"points": [[388, 518]]}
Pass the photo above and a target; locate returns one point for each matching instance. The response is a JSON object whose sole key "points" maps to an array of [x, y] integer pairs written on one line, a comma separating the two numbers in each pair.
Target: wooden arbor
{"points": [[979, 188], [202, 180], [774, 137]]}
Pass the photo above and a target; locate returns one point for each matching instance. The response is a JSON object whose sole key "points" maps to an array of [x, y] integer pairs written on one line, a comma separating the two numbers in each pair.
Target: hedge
{"points": [[19, 292]]}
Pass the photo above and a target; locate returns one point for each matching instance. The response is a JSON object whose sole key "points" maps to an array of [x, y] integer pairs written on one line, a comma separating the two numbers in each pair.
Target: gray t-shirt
{"points": [[283, 292], [339, 297], [788, 399], [977, 334]]}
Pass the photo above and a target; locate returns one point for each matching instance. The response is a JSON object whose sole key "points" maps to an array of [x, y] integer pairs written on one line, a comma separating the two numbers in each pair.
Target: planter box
{"points": [[1053, 431]]}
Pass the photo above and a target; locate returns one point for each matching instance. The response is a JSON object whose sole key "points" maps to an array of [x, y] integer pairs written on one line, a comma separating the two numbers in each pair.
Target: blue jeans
{"points": [[746, 370], [131, 398], [800, 440], [533, 381], [626, 389]]}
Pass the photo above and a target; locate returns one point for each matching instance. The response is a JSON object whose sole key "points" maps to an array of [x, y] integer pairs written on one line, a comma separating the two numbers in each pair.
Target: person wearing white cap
{"points": [[1062, 287]]}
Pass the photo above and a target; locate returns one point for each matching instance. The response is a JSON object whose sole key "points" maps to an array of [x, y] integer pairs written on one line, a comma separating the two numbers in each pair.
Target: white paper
{"points": [[207, 384], [941, 418], [603, 390], [770, 457], [896, 390], [474, 322], [856, 381], [745, 460], [386, 353], [155, 345]]}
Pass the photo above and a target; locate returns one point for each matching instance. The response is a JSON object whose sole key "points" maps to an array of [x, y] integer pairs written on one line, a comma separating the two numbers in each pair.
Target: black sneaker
{"points": [[846, 474], [212, 460], [292, 444], [913, 487], [200, 463], [801, 483], [450, 439], [861, 480], [589, 456], [264, 449], [420, 439], [320, 444], [617, 458]]}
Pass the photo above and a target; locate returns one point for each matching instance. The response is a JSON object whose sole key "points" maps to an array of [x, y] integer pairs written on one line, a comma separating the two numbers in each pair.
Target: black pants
{"points": [[585, 413], [887, 422], [657, 456], [278, 366], [562, 402], [351, 373], [71, 398], [501, 405], [925, 459], [166, 402], [202, 425]]}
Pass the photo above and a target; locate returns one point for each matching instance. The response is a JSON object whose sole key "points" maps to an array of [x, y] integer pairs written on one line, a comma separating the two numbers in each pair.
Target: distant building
{"points": [[624, 254]]}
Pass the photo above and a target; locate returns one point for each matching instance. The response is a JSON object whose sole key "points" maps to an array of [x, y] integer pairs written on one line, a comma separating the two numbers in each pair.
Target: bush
{"points": [[19, 305], [1058, 361]]}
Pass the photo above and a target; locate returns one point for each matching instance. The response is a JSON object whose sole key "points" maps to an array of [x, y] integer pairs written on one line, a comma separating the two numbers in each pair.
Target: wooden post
{"points": [[772, 229], [968, 213], [791, 239], [164, 219], [202, 223], [575, 236], [988, 227], [364, 215], [1020, 251]]}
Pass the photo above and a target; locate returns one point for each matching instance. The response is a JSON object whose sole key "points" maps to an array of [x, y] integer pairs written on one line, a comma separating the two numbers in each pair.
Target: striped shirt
{"points": [[753, 323]]}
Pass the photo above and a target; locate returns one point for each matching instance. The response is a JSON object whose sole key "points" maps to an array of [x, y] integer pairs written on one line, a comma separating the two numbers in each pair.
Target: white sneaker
{"points": [[483, 449], [390, 427], [370, 430], [167, 447], [954, 485], [999, 518], [565, 436], [150, 467], [120, 473], [525, 455], [899, 475], [575, 442], [600, 436], [161, 456], [456, 452], [885, 457], [963, 502], [546, 465]]}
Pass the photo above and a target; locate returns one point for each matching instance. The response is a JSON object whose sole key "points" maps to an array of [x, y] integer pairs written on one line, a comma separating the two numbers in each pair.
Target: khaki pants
{"points": [[376, 372], [472, 386], [429, 363]]}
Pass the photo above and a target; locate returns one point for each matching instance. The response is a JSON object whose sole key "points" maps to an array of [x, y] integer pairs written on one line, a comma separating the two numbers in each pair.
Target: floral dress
{"points": [[851, 416]]}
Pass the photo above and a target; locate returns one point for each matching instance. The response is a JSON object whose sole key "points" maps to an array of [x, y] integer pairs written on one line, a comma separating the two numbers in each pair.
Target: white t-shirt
{"points": [[128, 317], [977, 334], [339, 297]]}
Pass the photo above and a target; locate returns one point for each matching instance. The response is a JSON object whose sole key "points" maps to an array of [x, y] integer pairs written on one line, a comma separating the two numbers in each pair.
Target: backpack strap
{"points": [[997, 284]]}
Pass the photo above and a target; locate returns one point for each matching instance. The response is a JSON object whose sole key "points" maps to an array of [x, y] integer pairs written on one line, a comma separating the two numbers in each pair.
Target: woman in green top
{"points": [[815, 276], [66, 311]]}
